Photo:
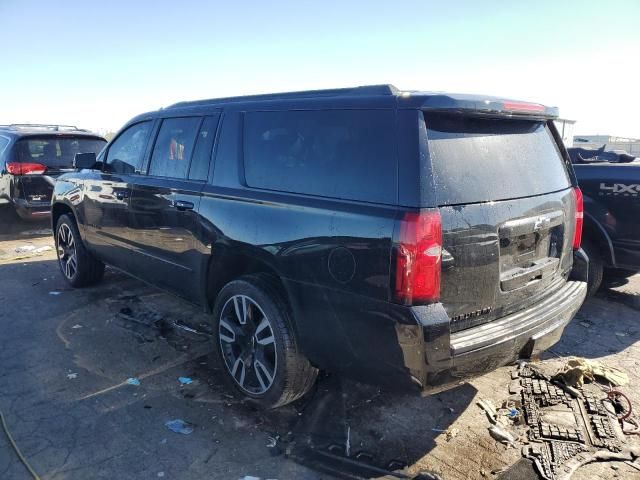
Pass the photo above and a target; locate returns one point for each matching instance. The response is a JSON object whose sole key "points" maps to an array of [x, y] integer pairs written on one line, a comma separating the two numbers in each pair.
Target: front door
{"points": [[164, 221], [107, 195]]}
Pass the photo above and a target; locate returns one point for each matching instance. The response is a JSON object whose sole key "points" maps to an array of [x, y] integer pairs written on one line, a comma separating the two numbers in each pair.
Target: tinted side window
{"points": [[204, 145], [348, 154], [173, 148], [126, 153]]}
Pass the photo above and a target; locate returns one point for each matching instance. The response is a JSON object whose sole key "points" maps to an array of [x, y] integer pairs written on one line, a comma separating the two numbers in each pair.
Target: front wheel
{"points": [[257, 344], [77, 265]]}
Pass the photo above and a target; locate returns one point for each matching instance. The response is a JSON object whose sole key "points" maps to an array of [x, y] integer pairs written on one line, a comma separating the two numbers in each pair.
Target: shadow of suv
{"points": [[32, 156], [408, 239]]}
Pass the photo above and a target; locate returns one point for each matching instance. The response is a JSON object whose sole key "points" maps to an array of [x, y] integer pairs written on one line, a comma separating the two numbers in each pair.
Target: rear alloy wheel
{"points": [[257, 345], [248, 345], [77, 265]]}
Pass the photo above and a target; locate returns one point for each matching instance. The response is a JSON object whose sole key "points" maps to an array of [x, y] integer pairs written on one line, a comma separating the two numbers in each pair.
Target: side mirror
{"points": [[84, 160]]}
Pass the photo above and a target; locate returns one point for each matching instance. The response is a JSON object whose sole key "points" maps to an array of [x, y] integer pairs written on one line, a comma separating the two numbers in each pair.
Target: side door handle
{"points": [[182, 205]]}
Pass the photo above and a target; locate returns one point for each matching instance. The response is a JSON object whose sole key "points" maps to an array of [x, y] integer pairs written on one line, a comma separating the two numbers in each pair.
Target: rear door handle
{"points": [[182, 205]]}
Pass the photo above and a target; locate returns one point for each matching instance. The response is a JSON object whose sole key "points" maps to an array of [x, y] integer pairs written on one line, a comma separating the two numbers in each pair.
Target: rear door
{"points": [[164, 206], [508, 213]]}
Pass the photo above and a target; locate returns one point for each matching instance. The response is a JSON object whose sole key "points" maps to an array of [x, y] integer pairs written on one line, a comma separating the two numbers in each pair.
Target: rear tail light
{"points": [[418, 258], [18, 168], [577, 235]]}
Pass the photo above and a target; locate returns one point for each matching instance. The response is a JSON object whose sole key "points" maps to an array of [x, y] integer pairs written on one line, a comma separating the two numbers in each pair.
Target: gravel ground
{"points": [[66, 355]]}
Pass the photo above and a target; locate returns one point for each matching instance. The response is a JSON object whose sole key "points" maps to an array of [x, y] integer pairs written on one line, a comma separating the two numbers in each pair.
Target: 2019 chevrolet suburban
{"points": [[32, 156], [404, 238]]}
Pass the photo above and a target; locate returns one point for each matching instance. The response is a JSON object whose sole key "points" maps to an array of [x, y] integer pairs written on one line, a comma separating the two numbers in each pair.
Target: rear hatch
{"points": [[508, 213], [42, 158]]}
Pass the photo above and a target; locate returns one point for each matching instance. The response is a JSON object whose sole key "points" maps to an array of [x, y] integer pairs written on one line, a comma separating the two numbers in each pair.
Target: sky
{"points": [[97, 64]]}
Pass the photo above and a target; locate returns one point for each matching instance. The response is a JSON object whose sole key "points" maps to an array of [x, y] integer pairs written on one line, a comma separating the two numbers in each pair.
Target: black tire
{"points": [[292, 374], [596, 267], [88, 270], [619, 273]]}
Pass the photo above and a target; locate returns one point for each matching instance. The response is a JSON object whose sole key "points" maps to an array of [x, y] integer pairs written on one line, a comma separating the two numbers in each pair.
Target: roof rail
{"points": [[335, 92], [43, 126]]}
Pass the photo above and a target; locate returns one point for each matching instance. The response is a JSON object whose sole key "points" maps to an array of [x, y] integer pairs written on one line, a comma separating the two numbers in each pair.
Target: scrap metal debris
{"points": [[272, 442], [502, 436], [25, 248], [43, 231], [27, 251], [489, 409], [565, 430]]}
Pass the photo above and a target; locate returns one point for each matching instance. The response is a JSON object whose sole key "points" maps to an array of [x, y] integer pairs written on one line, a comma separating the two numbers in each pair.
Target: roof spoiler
{"points": [[489, 106]]}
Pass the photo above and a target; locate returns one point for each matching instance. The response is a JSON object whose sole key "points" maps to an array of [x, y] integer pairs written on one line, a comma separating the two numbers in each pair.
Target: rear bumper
{"points": [[484, 348], [32, 210], [413, 348]]}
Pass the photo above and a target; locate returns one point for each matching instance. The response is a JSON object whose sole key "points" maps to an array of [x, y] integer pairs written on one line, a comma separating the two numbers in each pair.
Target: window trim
{"points": [[107, 149], [218, 115]]}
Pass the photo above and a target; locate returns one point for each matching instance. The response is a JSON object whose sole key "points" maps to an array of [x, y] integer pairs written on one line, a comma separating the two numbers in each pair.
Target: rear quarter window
{"points": [[487, 159], [346, 154]]}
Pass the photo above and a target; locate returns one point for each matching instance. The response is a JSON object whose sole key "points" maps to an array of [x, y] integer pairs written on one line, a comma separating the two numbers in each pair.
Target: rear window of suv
{"points": [[483, 159], [346, 154], [54, 152]]}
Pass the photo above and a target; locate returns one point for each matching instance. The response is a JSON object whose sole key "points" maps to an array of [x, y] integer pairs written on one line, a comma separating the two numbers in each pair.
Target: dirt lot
{"points": [[66, 355]]}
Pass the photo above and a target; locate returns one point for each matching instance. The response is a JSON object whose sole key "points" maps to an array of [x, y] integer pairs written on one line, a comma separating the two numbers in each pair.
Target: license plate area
{"points": [[530, 249]]}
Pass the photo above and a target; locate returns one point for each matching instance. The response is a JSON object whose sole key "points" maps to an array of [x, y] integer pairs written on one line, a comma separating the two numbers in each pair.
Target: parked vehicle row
{"points": [[33, 156], [610, 182], [404, 238]]}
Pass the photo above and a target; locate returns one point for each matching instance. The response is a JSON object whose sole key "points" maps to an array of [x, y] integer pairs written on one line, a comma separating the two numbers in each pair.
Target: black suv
{"points": [[403, 238], [611, 185], [32, 156]]}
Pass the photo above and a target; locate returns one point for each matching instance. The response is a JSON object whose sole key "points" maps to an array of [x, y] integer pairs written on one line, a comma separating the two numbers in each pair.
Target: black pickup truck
{"points": [[610, 183]]}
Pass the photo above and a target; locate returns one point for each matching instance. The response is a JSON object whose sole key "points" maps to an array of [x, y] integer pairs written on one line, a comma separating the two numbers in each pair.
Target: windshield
{"points": [[470, 154], [55, 152]]}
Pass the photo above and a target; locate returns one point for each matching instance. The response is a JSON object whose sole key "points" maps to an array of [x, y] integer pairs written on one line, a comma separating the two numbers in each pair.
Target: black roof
{"points": [[32, 129], [385, 94], [369, 90]]}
